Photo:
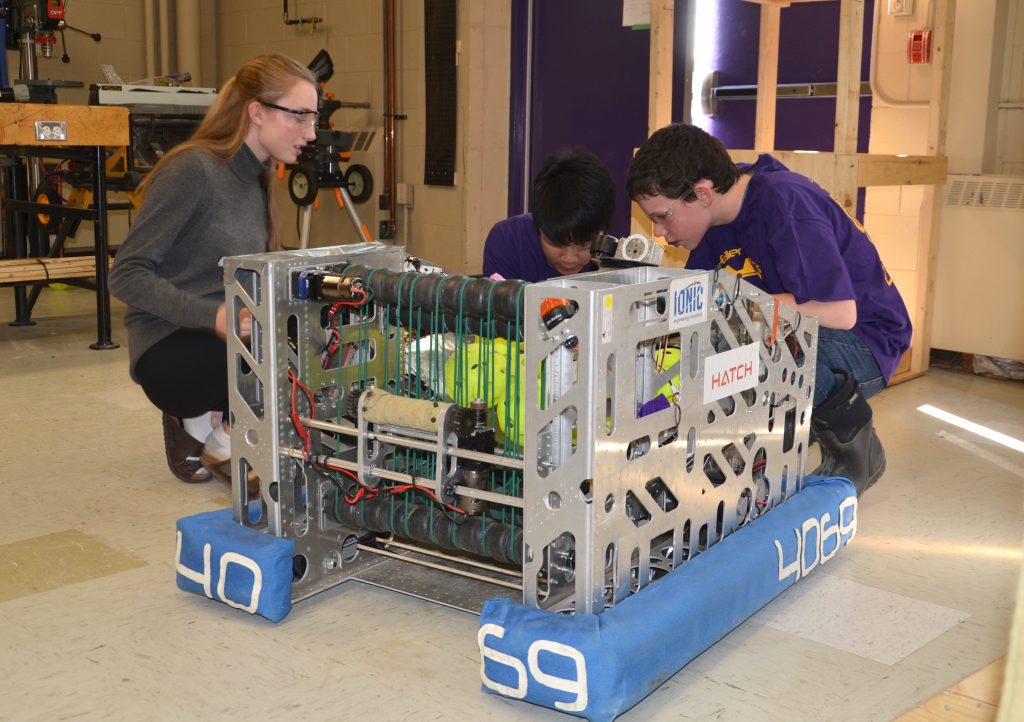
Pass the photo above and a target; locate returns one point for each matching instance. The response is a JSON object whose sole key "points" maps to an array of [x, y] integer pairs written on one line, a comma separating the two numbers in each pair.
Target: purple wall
{"points": [[808, 53], [589, 90], [589, 85]]}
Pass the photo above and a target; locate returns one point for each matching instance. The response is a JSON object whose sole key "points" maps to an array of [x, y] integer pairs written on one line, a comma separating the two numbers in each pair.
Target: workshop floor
{"points": [[93, 626]]}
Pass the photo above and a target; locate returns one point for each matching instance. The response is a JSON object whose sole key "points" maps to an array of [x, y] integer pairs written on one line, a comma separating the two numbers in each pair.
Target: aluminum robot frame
{"points": [[663, 410]]}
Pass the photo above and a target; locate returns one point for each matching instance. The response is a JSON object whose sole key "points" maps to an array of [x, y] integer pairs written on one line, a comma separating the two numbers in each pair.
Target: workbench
{"points": [[82, 134]]}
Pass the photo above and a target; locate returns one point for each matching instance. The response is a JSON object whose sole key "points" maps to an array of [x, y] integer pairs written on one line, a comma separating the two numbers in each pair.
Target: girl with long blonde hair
{"points": [[207, 198]]}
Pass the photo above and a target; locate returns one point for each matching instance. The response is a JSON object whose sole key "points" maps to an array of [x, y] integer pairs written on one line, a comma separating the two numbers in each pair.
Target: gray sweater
{"points": [[198, 209]]}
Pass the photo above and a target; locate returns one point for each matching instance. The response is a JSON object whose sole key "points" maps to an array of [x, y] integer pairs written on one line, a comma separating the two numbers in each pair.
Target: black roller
{"points": [[423, 323], [463, 295], [430, 525]]}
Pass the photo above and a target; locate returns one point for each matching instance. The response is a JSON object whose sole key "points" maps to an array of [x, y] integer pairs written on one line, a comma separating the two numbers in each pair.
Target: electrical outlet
{"points": [[403, 194], [898, 8]]}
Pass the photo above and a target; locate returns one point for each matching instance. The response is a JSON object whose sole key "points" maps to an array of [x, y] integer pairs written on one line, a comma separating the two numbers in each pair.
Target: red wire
{"points": [[366, 494], [336, 306], [330, 348], [363, 492], [299, 428], [361, 300]]}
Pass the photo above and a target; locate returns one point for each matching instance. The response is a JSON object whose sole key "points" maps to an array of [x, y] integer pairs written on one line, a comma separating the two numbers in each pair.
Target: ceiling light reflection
{"points": [[984, 431]]}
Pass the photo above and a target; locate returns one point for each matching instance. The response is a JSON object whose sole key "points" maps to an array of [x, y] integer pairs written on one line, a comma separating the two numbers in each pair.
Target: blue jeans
{"points": [[844, 351]]}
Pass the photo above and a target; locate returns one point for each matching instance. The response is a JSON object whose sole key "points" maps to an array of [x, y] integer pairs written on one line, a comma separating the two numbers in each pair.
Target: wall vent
{"points": [[985, 191]]}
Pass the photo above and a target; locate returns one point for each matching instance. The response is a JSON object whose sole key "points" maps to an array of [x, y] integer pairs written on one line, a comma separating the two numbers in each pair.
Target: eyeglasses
{"points": [[663, 218], [299, 117]]}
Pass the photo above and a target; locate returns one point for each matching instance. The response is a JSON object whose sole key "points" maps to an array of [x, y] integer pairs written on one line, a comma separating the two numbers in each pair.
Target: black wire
{"points": [[457, 519], [334, 476], [65, 58]]}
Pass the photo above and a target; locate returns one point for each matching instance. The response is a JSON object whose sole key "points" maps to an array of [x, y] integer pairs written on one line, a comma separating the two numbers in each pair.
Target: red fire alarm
{"points": [[919, 46]]}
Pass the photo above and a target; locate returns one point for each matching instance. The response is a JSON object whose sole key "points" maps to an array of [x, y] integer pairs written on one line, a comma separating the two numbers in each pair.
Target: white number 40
{"points": [[204, 577], [577, 686]]}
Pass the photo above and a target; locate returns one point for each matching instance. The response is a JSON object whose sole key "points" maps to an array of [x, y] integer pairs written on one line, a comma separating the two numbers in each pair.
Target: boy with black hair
{"points": [[572, 202], [789, 237]]}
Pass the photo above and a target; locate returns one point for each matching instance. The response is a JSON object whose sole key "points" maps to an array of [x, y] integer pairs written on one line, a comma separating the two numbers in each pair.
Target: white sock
{"points": [[218, 443], [198, 427]]}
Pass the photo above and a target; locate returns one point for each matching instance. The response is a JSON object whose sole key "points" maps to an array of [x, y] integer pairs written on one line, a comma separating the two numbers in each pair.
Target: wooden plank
{"points": [[86, 124], [872, 170], [659, 104], [944, 13], [973, 699], [10, 268], [767, 78], [844, 188], [26, 270], [851, 49], [951, 707], [897, 170], [985, 685]]}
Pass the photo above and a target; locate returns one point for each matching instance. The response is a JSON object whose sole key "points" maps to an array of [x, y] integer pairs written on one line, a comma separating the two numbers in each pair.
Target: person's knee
{"points": [[872, 387], [824, 384]]}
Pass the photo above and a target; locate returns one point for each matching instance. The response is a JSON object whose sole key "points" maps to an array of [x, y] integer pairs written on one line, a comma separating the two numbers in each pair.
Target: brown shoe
{"points": [[183, 452], [221, 471]]}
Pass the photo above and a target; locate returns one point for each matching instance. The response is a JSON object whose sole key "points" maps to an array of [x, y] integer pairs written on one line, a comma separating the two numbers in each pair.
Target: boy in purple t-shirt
{"points": [[790, 238], [572, 202]]}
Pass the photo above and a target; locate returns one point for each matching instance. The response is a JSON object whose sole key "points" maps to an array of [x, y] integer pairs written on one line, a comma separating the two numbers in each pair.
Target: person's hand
{"points": [[220, 323], [244, 324]]}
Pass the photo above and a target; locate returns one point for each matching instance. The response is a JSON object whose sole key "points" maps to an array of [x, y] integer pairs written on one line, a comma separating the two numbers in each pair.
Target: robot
{"points": [[565, 444]]}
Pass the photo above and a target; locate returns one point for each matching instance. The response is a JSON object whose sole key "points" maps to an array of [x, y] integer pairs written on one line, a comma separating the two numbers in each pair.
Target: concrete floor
{"points": [[93, 626]]}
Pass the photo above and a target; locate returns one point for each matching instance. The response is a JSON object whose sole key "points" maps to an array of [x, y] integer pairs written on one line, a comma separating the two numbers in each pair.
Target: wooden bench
{"points": [[33, 270]]}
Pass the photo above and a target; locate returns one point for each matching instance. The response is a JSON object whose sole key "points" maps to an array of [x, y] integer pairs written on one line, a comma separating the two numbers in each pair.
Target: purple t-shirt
{"points": [[513, 250], [791, 236]]}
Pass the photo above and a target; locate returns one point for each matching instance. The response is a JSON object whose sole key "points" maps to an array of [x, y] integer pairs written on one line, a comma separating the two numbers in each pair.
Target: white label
{"points": [[730, 372], [822, 544], [198, 577], [496, 630], [688, 302], [205, 577], [576, 686], [257, 581]]}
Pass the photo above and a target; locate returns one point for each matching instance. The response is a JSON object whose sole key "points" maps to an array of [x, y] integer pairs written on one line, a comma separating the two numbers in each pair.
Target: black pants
{"points": [[186, 374]]}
